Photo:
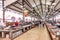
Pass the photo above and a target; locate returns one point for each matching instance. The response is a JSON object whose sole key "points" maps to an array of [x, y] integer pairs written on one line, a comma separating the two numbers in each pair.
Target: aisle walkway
{"points": [[35, 34]]}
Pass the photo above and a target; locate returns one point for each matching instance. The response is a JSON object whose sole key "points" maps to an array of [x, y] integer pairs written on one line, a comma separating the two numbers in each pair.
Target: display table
{"points": [[26, 27], [14, 32], [54, 32], [11, 34]]}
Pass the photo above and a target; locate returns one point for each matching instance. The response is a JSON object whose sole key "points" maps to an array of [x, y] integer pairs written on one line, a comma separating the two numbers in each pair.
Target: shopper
{"points": [[39, 24], [43, 23], [16, 23]]}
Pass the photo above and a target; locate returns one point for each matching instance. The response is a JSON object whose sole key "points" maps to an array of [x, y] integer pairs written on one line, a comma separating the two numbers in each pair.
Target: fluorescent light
{"points": [[37, 4], [21, 6], [48, 3], [54, 4], [34, 5]]}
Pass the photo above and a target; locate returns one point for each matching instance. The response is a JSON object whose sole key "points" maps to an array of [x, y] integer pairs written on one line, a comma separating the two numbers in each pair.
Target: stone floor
{"points": [[36, 33]]}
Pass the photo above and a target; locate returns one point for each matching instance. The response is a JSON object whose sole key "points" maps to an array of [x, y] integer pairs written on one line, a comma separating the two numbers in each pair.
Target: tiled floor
{"points": [[35, 34]]}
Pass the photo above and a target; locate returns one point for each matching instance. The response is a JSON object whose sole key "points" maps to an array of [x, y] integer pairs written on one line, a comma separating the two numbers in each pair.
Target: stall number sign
{"points": [[13, 19]]}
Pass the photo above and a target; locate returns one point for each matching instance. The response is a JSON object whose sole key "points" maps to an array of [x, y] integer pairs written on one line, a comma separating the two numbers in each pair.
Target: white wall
{"points": [[9, 14]]}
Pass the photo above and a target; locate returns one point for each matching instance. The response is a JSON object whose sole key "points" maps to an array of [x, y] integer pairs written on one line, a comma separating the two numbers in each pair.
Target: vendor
{"points": [[16, 23]]}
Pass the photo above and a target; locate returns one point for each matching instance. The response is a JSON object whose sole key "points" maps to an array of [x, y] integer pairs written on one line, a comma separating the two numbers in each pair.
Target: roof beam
{"points": [[34, 12], [57, 4], [48, 8], [36, 6], [56, 10], [24, 7], [15, 9], [53, 13], [53, 5], [45, 8], [52, 1], [11, 3], [16, 6], [41, 6], [31, 6], [45, 4], [28, 4], [37, 13]]}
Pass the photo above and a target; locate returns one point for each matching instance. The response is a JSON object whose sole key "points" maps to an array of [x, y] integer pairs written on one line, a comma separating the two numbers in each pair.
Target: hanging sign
{"points": [[25, 13]]}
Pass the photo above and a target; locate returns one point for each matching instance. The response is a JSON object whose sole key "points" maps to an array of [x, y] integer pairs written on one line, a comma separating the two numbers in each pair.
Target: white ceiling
{"points": [[8, 2]]}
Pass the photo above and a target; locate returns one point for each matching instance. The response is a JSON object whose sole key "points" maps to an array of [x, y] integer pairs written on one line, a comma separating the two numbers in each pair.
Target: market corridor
{"points": [[35, 34]]}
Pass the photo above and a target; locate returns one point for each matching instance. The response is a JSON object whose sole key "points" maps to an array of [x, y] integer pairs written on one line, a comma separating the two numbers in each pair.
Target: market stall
{"points": [[54, 32]]}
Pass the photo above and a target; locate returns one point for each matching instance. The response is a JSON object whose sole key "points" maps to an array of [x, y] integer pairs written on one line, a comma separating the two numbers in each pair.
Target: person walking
{"points": [[43, 24], [39, 24]]}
